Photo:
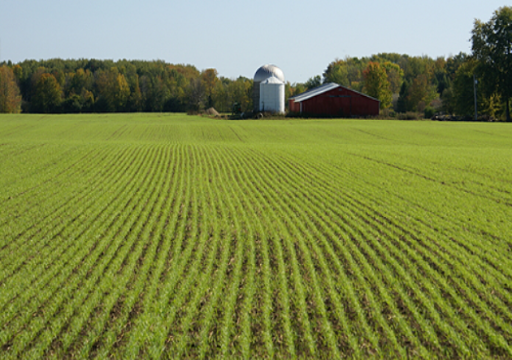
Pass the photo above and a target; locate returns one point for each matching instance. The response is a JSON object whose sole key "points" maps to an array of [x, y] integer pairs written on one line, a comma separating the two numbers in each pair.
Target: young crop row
{"points": [[64, 275], [232, 247]]}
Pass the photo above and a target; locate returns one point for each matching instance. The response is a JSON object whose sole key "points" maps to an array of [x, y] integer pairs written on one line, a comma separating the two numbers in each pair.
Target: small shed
{"points": [[334, 100]]}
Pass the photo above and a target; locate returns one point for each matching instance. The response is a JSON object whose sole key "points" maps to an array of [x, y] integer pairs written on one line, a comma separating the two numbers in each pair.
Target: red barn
{"points": [[334, 100]]}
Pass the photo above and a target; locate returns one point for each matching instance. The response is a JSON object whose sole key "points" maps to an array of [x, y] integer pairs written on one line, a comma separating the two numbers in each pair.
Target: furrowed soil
{"points": [[170, 236]]}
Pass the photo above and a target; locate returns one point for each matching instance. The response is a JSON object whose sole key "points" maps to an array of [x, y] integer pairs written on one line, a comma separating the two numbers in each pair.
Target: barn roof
{"points": [[322, 89]]}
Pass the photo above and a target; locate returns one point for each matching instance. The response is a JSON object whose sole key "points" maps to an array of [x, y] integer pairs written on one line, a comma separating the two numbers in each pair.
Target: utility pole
{"points": [[475, 81]]}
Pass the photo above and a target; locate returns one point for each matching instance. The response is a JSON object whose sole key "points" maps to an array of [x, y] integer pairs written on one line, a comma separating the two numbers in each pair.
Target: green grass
{"points": [[171, 236]]}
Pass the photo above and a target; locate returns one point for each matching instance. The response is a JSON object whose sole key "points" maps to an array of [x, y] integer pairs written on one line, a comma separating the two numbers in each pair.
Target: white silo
{"points": [[262, 74], [272, 95]]}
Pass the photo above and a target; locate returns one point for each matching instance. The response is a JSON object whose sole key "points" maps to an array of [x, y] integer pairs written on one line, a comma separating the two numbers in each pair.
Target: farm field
{"points": [[170, 236]]}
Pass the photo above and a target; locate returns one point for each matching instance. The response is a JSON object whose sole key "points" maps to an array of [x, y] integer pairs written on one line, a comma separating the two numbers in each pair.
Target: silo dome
{"points": [[266, 71], [262, 74]]}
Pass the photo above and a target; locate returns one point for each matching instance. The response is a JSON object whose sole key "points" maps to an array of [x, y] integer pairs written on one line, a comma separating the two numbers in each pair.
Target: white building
{"points": [[273, 90]]}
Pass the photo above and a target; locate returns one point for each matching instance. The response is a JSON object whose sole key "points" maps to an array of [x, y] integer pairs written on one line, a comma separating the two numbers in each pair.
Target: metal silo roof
{"points": [[272, 80], [267, 71]]}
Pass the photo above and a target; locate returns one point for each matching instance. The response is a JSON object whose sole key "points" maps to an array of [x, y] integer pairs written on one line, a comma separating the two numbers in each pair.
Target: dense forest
{"points": [[73, 86], [403, 84], [90, 85]]}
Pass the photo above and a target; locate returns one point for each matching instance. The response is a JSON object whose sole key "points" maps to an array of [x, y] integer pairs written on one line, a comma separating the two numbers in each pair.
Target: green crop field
{"points": [[172, 236]]}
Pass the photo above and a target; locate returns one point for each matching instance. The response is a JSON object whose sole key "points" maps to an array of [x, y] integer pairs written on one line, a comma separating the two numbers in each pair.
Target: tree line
{"points": [[90, 85], [443, 85], [402, 83]]}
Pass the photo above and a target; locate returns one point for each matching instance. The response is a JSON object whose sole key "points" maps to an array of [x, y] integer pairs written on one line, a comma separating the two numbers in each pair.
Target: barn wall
{"points": [[339, 102], [293, 106]]}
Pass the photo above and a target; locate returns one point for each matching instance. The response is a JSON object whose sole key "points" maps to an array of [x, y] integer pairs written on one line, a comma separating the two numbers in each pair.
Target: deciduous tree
{"points": [[210, 80], [196, 94], [463, 94], [10, 98], [492, 47], [376, 84], [337, 72], [421, 92], [47, 94], [313, 82], [395, 76], [113, 90]]}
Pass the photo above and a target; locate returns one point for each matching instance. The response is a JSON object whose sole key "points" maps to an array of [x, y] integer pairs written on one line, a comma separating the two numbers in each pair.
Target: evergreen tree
{"points": [[402, 104]]}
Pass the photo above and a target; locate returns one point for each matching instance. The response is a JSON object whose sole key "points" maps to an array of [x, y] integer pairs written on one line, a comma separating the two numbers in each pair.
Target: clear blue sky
{"points": [[236, 37]]}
